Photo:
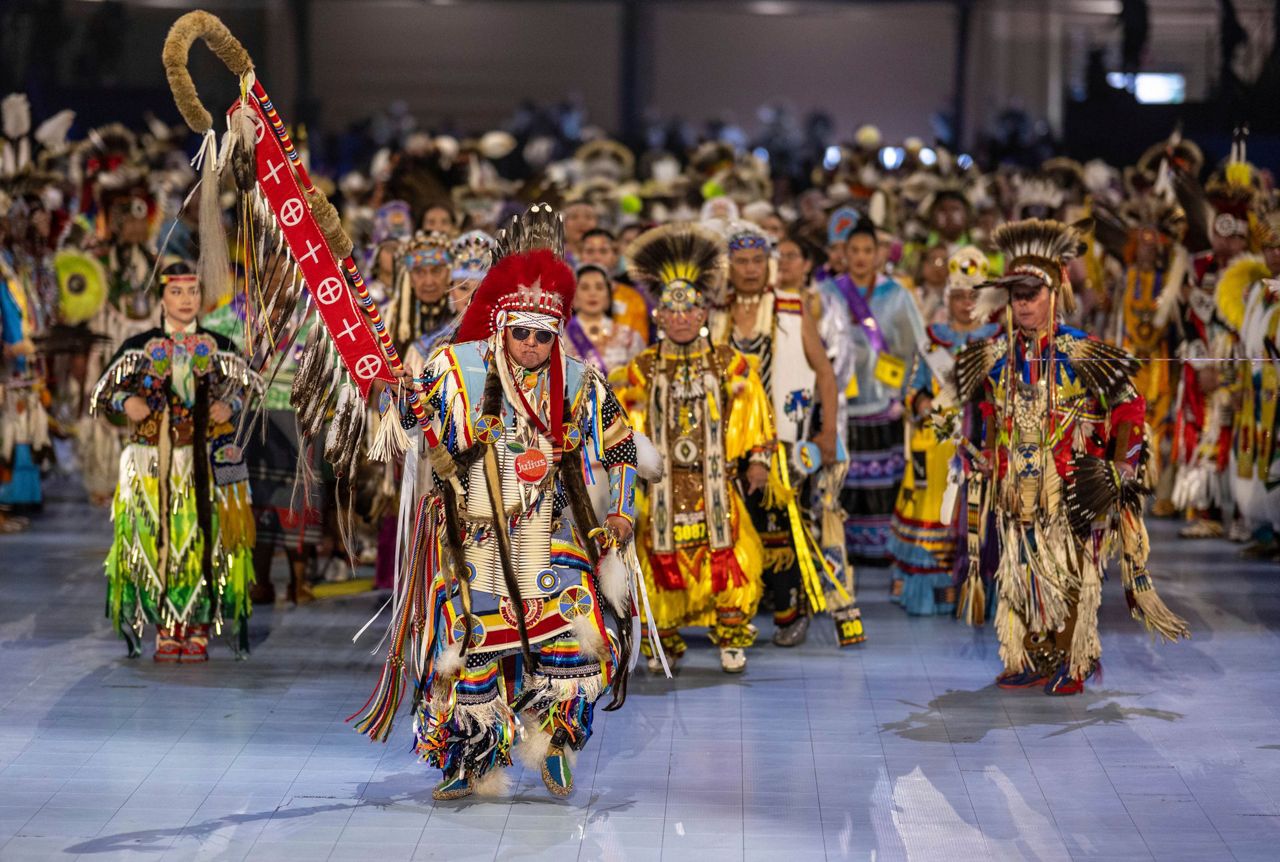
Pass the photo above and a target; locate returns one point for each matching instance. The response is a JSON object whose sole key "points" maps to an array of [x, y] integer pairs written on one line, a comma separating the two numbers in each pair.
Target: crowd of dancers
{"points": [[633, 398]]}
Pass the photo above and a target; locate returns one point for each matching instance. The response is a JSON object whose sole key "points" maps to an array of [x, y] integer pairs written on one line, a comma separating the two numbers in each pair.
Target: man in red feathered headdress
{"points": [[518, 598]]}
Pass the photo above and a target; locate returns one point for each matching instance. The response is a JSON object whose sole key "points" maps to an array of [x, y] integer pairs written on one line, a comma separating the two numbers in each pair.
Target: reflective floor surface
{"points": [[898, 749]]}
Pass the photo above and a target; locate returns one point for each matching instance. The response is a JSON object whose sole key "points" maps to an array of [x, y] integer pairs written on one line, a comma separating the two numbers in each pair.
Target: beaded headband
{"points": [[529, 320], [427, 257], [742, 241], [530, 306]]}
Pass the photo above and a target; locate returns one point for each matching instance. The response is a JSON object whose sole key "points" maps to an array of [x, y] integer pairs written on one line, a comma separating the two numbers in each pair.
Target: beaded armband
{"points": [[622, 491]]}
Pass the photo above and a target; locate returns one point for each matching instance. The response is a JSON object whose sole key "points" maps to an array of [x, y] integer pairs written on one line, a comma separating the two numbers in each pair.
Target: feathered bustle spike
{"points": [[540, 227], [974, 363], [1105, 370], [1093, 488]]}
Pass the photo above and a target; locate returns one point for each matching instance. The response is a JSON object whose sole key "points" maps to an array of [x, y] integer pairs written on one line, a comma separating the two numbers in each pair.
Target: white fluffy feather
{"points": [[449, 662], [991, 301], [649, 462], [530, 750], [494, 783], [615, 583], [16, 113], [584, 628]]}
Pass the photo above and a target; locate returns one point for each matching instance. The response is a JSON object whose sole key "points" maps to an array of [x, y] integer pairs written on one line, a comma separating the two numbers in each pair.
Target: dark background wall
{"points": [[465, 64]]}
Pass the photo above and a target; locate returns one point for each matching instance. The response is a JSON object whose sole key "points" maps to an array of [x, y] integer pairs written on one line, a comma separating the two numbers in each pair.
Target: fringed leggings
{"points": [[469, 723], [1050, 651]]}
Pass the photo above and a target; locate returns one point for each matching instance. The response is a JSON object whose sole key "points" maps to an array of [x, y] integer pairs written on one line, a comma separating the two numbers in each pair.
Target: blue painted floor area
{"points": [[898, 749]]}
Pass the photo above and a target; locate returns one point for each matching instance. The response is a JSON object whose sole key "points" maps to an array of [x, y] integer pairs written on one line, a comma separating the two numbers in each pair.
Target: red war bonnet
{"points": [[530, 280]]}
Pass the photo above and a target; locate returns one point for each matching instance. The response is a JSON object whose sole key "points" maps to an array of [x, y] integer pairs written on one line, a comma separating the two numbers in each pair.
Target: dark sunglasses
{"points": [[522, 333]]}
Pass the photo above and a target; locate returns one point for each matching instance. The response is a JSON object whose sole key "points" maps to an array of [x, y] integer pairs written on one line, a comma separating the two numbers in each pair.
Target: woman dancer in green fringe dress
{"points": [[181, 557]]}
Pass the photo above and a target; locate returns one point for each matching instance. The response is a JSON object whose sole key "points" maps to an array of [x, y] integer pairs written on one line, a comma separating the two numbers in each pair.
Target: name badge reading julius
{"points": [[531, 466]]}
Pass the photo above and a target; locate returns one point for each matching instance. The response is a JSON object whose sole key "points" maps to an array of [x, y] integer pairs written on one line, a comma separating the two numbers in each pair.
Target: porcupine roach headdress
{"points": [[680, 265], [1037, 195], [1037, 251]]}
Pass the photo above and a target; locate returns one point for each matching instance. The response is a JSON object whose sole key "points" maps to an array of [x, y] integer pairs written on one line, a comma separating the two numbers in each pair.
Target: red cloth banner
{"points": [[321, 273]]}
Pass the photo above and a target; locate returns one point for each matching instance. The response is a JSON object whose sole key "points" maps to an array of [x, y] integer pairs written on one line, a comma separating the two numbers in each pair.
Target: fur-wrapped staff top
{"points": [[515, 601], [291, 238]]}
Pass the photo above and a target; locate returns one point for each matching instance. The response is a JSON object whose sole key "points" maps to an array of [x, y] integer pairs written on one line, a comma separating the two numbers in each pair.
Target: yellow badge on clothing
{"points": [[890, 370]]}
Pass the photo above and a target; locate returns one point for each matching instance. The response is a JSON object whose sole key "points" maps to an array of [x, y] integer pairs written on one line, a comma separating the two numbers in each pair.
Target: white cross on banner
{"points": [[361, 354]]}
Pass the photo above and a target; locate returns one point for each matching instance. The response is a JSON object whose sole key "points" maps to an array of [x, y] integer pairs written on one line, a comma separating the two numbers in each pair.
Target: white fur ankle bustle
{"points": [[532, 748], [589, 637], [494, 783]]}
